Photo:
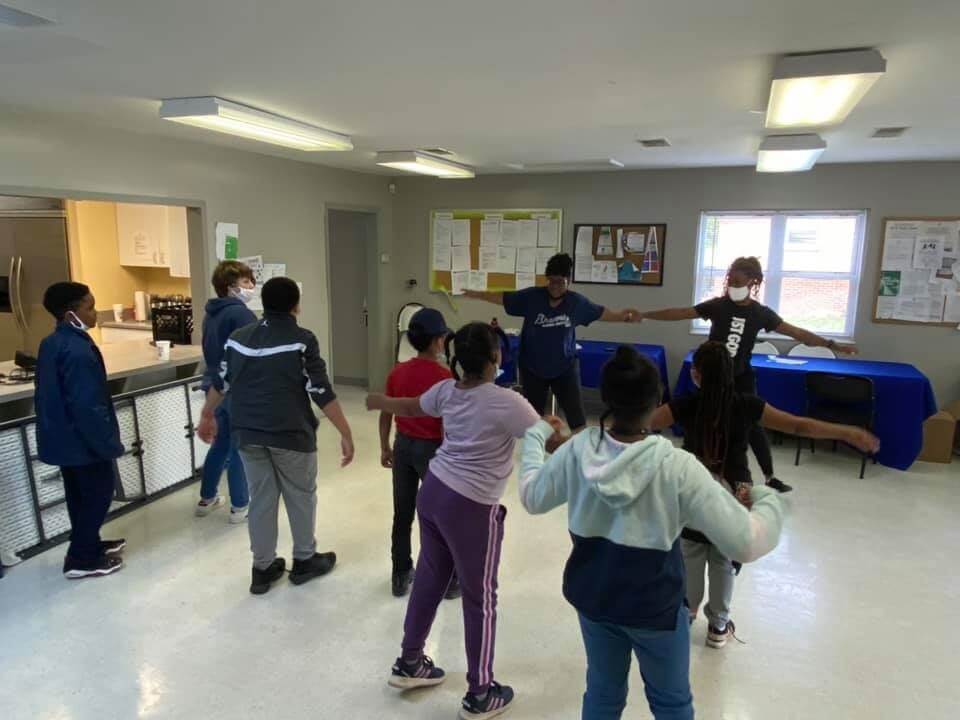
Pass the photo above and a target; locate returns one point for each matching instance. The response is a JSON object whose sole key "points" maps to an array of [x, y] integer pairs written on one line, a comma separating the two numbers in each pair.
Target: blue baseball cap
{"points": [[429, 322]]}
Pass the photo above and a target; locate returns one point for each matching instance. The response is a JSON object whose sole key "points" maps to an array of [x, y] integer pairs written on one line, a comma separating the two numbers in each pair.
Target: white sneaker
{"points": [[205, 508], [238, 515]]}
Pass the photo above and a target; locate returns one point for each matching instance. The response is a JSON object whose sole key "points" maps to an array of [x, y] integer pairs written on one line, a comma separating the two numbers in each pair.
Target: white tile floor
{"points": [[854, 616]]}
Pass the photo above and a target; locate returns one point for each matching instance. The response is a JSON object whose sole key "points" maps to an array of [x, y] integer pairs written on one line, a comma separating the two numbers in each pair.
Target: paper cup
{"points": [[163, 350], [118, 312]]}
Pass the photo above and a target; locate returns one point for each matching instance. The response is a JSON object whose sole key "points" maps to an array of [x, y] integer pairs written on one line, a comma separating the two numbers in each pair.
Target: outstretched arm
{"points": [[491, 297], [814, 340], [404, 407], [626, 315], [860, 438], [670, 314]]}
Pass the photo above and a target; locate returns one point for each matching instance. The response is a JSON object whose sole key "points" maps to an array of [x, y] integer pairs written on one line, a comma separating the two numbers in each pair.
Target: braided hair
{"points": [[630, 389], [749, 266], [475, 346], [712, 360]]}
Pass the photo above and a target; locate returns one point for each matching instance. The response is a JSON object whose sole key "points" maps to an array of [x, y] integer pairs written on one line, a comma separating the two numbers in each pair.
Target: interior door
{"points": [[348, 294], [40, 248], [11, 338]]}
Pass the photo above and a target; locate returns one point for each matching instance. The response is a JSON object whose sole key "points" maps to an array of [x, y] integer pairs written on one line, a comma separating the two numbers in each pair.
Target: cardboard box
{"points": [[954, 409], [938, 438]]}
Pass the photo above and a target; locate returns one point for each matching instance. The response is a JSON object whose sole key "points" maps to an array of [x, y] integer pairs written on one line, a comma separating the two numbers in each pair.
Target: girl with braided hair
{"points": [[717, 421], [736, 318]]}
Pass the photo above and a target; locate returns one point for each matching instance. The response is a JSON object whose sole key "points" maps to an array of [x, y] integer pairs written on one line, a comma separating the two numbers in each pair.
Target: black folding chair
{"points": [[844, 399]]}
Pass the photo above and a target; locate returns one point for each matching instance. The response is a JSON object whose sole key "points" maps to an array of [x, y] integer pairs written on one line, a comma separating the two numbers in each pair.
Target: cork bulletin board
{"points": [[619, 254], [495, 250]]}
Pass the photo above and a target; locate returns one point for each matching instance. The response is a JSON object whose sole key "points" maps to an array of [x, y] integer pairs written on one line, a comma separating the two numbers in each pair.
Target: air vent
{"points": [[655, 143], [889, 132], [437, 151], [22, 18]]}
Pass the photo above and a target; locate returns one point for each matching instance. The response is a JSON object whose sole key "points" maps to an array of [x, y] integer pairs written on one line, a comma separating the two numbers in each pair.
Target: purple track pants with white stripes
{"points": [[459, 534]]}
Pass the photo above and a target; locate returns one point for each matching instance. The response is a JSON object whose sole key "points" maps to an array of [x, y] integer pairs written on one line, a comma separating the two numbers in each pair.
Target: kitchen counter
{"points": [[127, 325]]}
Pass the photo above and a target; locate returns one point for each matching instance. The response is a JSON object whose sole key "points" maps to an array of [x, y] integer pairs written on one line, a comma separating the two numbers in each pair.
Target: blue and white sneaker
{"points": [[495, 702], [423, 673]]}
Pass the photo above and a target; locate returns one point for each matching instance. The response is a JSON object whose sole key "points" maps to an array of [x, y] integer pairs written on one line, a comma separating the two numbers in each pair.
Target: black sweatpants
{"points": [[411, 456], [566, 388], [759, 442], [89, 490]]}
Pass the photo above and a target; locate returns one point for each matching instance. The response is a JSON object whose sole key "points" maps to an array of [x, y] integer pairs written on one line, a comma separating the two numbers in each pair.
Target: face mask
{"points": [[77, 323], [738, 294], [244, 295]]}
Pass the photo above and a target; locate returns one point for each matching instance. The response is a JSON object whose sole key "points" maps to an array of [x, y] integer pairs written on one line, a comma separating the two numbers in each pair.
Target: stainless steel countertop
{"points": [[128, 325]]}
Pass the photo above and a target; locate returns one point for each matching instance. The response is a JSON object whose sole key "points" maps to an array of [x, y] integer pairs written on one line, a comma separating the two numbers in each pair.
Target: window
{"points": [[811, 263]]}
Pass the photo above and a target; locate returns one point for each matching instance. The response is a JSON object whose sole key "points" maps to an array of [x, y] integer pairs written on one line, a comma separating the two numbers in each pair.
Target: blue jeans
{"points": [[222, 455], [664, 660]]}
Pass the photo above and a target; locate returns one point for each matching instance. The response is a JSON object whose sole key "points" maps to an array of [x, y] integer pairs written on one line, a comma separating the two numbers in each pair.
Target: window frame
{"points": [[773, 272]]}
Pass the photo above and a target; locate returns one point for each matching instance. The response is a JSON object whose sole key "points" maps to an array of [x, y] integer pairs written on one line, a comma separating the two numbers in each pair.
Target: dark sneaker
{"points": [[319, 564], [779, 485], [717, 636], [401, 581], [113, 547], [263, 579], [453, 589], [422, 673], [72, 570], [495, 702]]}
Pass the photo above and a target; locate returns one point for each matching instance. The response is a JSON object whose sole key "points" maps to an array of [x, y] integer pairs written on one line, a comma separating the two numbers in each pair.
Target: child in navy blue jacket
{"points": [[77, 427]]}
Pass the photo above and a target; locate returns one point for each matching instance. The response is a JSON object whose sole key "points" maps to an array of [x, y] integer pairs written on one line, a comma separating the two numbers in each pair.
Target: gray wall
{"points": [[676, 197], [278, 203]]}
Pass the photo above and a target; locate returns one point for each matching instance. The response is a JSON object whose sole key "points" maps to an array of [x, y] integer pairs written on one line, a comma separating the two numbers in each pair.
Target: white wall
{"points": [[677, 197], [278, 203]]}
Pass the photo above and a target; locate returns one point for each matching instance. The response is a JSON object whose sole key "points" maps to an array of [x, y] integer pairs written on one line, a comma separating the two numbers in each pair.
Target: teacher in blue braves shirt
{"points": [[548, 343]]}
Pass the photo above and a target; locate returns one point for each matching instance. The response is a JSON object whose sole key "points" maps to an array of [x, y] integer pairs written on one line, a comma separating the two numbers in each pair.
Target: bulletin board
{"points": [[495, 250], [619, 254], [919, 276]]}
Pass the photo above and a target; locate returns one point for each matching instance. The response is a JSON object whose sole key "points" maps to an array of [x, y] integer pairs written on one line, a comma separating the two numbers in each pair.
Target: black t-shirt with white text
{"points": [[737, 326]]}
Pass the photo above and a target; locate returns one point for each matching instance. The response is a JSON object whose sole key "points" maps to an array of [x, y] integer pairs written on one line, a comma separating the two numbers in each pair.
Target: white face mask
{"points": [[738, 294], [76, 322], [244, 295]]}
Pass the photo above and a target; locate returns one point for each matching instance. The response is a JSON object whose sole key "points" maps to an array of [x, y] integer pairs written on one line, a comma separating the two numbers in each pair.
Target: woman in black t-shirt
{"points": [[716, 422], [736, 318]]}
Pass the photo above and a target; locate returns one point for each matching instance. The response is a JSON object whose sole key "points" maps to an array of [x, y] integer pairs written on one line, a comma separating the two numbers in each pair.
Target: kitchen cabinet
{"points": [[153, 236]]}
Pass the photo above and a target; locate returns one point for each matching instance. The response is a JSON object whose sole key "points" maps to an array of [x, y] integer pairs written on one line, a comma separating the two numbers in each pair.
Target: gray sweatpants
{"points": [[696, 557], [272, 472]]}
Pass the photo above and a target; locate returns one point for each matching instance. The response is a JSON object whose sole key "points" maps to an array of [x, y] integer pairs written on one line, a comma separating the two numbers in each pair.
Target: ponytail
{"points": [[630, 388], [475, 346], [713, 362]]}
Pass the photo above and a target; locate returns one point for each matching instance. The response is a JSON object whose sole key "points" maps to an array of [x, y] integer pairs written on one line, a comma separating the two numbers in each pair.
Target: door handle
{"points": [[23, 315]]}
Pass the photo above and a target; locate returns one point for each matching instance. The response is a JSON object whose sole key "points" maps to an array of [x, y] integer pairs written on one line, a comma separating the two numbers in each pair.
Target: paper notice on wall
{"points": [[461, 258], [548, 232], [584, 244], [507, 260], [619, 244], [442, 256], [525, 280], [527, 231], [914, 283], [543, 257], [489, 255], [461, 232], [227, 240], [889, 283], [442, 230], [605, 242], [583, 268], [509, 231], [898, 253], [886, 307], [459, 281], [636, 242], [919, 309], [603, 271], [490, 232], [526, 260], [952, 312], [477, 281], [928, 252]]}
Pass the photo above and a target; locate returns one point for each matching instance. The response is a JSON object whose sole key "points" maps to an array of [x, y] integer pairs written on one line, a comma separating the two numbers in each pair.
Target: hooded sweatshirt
{"points": [[224, 315], [627, 504]]}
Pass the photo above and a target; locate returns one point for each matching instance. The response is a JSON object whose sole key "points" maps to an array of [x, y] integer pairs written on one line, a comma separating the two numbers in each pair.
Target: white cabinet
{"points": [[153, 236]]}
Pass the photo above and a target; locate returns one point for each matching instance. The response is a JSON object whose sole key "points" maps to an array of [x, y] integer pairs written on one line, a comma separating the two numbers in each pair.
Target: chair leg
{"points": [[799, 447], [863, 465], [834, 445], [813, 446]]}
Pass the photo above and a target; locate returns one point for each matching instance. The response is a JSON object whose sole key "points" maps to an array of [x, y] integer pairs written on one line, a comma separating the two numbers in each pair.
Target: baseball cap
{"points": [[429, 322]]}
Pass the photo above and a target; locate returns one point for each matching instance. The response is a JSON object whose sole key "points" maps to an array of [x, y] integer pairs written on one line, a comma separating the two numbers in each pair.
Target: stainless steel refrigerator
{"points": [[33, 256]]}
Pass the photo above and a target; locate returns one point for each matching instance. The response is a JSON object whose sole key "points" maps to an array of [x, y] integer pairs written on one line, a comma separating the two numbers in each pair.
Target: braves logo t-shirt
{"points": [[548, 342], [737, 326]]}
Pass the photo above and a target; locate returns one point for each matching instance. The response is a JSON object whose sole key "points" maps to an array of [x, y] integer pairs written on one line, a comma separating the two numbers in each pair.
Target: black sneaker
{"points": [[72, 570], [422, 673], [495, 702], [113, 547], [779, 485], [453, 589], [717, 637], [263, 579], [401, 582], [319, 564]]}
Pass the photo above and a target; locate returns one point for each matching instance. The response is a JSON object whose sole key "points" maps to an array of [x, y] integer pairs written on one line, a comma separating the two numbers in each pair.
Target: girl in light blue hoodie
{"points": [[629, 494]]}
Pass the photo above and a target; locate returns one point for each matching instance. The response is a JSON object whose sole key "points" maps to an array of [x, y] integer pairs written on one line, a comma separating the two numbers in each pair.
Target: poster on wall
{"points": [[227, 240]]}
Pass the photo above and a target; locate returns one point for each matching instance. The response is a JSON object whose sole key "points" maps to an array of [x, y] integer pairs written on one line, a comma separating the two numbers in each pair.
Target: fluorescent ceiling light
{"points": [[821, 89], [224, 116], [424, 164], [26, 14], [570, 166], [789, 153]]}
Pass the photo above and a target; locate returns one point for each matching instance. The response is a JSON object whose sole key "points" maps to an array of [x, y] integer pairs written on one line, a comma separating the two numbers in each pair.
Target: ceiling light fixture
{"points": [[789, 153], [820, 89], [11, 14], [224, 116], [422, 163]]}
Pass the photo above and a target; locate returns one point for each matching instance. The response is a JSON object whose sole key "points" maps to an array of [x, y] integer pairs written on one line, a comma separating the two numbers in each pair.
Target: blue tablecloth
{"points": [[904, 397], [593, 355]]}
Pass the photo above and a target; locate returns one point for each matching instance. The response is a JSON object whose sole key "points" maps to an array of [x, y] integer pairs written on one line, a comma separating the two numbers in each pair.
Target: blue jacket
{"points": [[76, 422], [224, 315], [626, 507]]}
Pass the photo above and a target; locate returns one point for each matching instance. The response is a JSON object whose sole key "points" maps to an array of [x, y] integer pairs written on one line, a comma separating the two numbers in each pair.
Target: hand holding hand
{"points": [[561, 433], [632, 316], [386, 458], [863, 440], [845, 348]]}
